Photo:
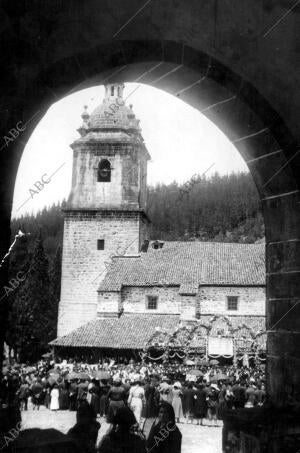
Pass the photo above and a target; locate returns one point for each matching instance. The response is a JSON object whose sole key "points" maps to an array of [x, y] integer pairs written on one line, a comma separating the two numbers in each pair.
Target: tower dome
{"points": [[113, 114]]}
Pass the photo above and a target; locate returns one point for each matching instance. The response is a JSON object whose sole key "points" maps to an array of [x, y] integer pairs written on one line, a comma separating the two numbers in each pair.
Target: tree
{"points": [[54, 291], [18, 266], [220, 208], [33, 308]]}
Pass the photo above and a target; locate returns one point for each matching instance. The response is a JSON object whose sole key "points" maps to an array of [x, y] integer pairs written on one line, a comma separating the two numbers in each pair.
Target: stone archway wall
{"points": [[225, 58]]}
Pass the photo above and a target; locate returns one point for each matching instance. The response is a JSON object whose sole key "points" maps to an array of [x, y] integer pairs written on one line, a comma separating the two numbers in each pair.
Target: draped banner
{"points": [[220, 346]]}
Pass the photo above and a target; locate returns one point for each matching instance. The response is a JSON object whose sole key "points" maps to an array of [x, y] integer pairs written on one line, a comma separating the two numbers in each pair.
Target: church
{"points": [[122, 294]]}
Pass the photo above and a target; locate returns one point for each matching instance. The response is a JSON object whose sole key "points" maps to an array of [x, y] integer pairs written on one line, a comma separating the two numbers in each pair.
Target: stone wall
{"points": [[134, 299], [128, 176], [210, 300], [109, 304], [213, 300], [83, 266]]}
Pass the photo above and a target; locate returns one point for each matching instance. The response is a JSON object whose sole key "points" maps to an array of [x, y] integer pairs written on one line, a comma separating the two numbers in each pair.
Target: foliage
{"points": [[54, 292], [34, 304], [30, 320], [219, 208]]}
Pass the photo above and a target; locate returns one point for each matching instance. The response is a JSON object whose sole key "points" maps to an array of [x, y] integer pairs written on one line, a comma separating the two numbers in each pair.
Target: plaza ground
{"points": [[195, 439]]}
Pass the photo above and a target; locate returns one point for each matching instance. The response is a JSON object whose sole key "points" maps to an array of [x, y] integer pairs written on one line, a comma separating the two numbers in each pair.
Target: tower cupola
{"points": [[105, 213], [113, 91], [110, 157]]}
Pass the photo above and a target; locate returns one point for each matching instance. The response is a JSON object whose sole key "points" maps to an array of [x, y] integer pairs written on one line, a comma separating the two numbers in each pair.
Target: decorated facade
{"points": [[203, 341]]}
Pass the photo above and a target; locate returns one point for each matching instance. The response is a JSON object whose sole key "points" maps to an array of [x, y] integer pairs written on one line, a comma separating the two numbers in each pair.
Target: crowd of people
{"points": [[128, 395]]}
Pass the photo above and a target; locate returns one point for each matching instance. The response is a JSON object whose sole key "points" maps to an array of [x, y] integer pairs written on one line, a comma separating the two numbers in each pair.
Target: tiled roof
{"points": [[130, 331], [189, 264]]}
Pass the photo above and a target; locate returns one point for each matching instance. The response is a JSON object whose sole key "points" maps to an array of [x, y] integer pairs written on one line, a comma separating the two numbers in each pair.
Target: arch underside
{"points": [[246, 118]]}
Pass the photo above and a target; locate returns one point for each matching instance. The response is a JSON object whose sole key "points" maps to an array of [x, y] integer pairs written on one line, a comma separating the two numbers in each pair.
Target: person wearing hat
{"points": [[23, 394], [116, 398], [54, 401], [188, 401], [165, 390], [124, 436], [152, 397], [199, 409], [136, 399], [212, 402], [177, 402]]}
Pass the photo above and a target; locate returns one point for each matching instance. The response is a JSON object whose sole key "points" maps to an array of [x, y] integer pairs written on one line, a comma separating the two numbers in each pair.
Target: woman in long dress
{"points": [[104, 388], [177, 402], [116, 397], [152, 400], [212, 402], [188, 402], [136, 399], [200, 404], [63, 396], [221, 404], [54, 395]]}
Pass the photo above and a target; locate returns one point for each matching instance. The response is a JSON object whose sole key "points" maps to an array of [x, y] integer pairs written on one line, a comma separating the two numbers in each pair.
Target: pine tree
{"points": [[18, 267], [32, 323], [54, 291]]}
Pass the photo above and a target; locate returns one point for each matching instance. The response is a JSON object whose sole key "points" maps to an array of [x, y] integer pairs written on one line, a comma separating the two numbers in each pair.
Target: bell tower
{"points": [[105, 213]]}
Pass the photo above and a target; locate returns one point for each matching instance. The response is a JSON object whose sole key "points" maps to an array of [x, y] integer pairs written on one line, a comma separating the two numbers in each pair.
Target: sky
{"points": [[181, 141]]}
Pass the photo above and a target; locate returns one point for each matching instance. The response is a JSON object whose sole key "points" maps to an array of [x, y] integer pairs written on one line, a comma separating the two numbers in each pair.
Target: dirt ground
{"points": [[195, 439]]}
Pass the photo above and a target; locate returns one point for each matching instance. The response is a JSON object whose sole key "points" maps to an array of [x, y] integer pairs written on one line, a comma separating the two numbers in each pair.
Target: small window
{"points": [[232, 303], [100, 244], [152, 302], [112, 90], [104, 171]]}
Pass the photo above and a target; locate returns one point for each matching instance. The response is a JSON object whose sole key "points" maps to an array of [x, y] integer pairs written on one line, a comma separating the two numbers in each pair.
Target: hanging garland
{"points": [[178, 355], [261, 359], [155, 358], [252, 356], [181, 338]]}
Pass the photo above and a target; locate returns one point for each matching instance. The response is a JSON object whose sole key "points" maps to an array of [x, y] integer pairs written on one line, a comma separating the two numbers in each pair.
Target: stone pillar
{"points": [[283, 299], [10, 147]]}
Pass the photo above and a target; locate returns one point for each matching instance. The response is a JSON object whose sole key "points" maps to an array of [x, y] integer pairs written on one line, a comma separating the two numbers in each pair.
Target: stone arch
{"points": [[243, 331], [222, 82], [220, 325], [159, 339], [180, 338], [104, 171], [243, 337], [198, 340], [261, 341]]}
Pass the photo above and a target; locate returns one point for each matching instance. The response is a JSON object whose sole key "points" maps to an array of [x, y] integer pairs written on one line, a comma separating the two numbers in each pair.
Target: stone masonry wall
{"points": [[86, 191], [213, 300], [134, 299], [210, 300], [83, 266], [109, 303], [128, 177]]}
